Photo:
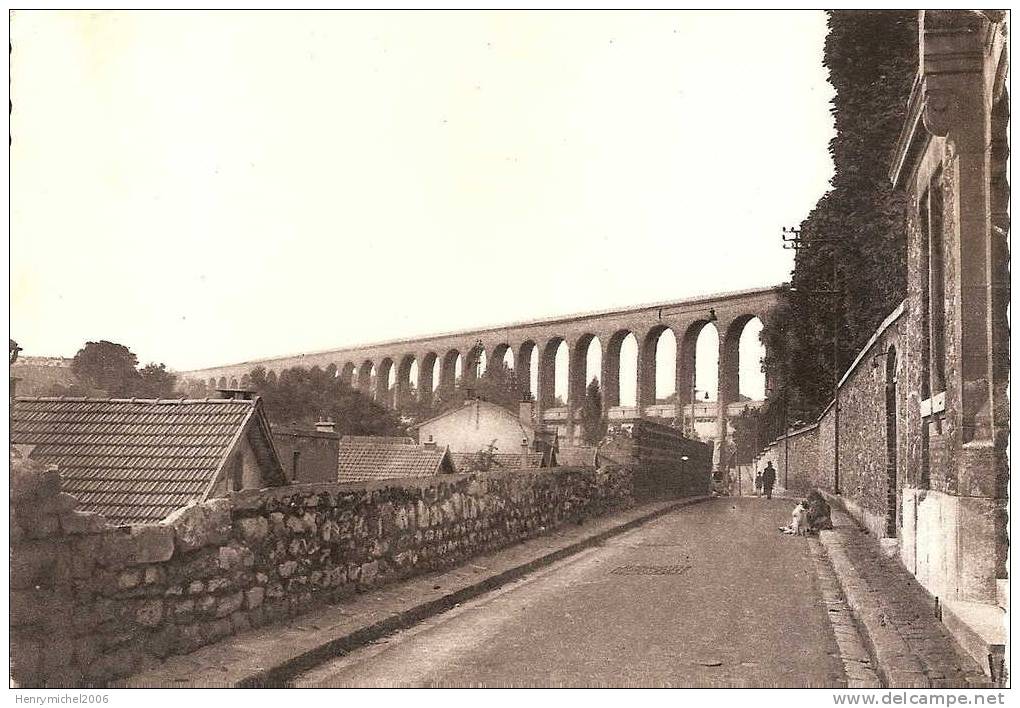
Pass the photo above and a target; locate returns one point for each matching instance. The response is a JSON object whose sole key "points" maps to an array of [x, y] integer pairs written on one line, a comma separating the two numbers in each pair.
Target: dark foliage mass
{"points": [[108, 369], [303, 396], [871, 57], [593, 426], [497, 384]]}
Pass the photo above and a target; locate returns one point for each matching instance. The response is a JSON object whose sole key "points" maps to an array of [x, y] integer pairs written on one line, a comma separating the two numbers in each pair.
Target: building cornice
{"points": [[913, 137]]}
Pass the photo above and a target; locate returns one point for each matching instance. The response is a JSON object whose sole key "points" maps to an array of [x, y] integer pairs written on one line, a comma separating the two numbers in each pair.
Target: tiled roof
{"points": [[504, 460], [134, 461], [362, 460], [377, 440]]}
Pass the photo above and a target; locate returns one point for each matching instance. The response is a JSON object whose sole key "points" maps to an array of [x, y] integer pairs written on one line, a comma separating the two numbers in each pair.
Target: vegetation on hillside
{"points": [[302, 396], [106, 369]]}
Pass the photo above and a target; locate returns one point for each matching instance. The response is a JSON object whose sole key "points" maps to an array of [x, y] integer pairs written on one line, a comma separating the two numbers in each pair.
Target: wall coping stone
{"points": [[253, 498], [888, 322]]}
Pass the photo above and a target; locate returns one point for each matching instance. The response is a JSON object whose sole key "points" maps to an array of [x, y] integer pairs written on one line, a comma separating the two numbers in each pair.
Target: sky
{"points": [[207, 188]]}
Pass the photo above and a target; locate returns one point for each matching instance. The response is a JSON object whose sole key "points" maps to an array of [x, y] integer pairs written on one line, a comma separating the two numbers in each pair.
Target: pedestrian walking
{"points": [[768, 479], [757, 484]]}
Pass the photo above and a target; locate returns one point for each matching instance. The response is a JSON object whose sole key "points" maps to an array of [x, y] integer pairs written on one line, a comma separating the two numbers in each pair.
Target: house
{"points": [[308, 454], [136, 461], [947, 376], [366, 458], [476, 426]]}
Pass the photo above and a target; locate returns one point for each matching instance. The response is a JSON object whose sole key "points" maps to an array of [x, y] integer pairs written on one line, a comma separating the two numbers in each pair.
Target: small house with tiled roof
{"points": [[137, 461], [480, 426], [363, 459]]}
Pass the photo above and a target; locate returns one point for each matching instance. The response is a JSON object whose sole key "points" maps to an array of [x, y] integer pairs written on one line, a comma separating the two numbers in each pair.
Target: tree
{"points": [[749, 434], [498, 384], [107, 366], [154, 381], [303, 396], [194, 388], [859, 224], [593, 427]]}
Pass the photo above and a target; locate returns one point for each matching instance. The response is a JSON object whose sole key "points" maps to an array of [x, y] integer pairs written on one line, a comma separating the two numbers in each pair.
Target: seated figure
{"points": [[819, 515]]}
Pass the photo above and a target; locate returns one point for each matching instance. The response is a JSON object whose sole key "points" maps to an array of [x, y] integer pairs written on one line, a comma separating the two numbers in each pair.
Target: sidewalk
{"points": [[271, 655], [896, 616]]}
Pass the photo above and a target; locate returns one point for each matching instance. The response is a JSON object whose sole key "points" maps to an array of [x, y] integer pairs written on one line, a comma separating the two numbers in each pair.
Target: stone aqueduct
{"points": [[730, 312]]}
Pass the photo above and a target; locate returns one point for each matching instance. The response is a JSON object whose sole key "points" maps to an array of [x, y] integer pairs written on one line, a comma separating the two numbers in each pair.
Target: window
{"points": [[933, 296], [937, 285], [237, 473]]}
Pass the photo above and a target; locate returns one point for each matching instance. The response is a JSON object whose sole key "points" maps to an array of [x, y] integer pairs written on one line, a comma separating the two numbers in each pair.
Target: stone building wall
{"points": [[950, 165], [90, 603], [315, 454]]}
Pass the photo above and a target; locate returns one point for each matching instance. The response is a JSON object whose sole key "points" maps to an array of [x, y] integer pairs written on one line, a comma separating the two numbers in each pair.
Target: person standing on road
{"points": [[757, 484], [768, 479]]}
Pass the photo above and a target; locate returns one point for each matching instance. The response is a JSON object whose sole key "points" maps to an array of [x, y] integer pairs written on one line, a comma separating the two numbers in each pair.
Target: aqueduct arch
{"points": [[534, 345]]}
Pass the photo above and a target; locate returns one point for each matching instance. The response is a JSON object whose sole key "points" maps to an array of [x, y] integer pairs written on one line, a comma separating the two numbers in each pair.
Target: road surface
{"points": [[709, 595]]}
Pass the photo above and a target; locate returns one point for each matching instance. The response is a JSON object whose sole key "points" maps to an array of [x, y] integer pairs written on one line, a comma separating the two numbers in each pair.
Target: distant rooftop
{"points": [[363, 459]]}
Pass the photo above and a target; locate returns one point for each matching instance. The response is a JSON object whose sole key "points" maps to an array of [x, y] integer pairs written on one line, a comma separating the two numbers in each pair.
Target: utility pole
{"points": [[792, 241]]}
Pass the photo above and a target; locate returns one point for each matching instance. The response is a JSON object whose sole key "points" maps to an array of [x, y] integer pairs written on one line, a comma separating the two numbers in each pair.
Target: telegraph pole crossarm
{"points": [[792, 240]]}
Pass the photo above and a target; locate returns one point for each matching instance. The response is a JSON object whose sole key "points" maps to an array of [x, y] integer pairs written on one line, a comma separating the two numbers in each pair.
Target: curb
{"points": [[278, 675], [867, 614], [893, 659]]}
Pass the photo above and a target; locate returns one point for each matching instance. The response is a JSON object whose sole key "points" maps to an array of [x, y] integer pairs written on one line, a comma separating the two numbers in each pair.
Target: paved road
{"points": [[709, 595]]}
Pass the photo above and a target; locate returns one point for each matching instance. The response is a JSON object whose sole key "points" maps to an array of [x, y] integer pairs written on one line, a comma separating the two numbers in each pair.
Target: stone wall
{"points": [[655, 453], [90, 603], [796, 460], [864, 478]]}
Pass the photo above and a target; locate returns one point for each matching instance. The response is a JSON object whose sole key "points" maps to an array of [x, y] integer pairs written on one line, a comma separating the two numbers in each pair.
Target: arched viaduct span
{"points": [[389, 363]]}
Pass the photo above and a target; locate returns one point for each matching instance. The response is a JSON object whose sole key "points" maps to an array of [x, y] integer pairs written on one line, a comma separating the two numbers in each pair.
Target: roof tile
{"points": [[132, 461], [361, 460]]}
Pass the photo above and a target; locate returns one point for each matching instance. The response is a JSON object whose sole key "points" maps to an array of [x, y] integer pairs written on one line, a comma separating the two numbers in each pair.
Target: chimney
{"points": [[431, 443], [527, 413], [325, 426], [236, 394]]}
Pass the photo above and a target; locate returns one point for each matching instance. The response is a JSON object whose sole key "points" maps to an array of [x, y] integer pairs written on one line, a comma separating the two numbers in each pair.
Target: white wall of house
{"points": [[475, 426]]}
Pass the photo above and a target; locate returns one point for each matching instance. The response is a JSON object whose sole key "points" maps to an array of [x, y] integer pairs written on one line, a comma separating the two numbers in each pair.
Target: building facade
{"points": [[914, 443], [308, 455], [951, 461], [477, 425]]}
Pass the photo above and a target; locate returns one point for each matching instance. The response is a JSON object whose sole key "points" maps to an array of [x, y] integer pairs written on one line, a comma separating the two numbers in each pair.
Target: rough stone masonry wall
{"points": [[90, 603], [863, 474], [801, 475]]}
